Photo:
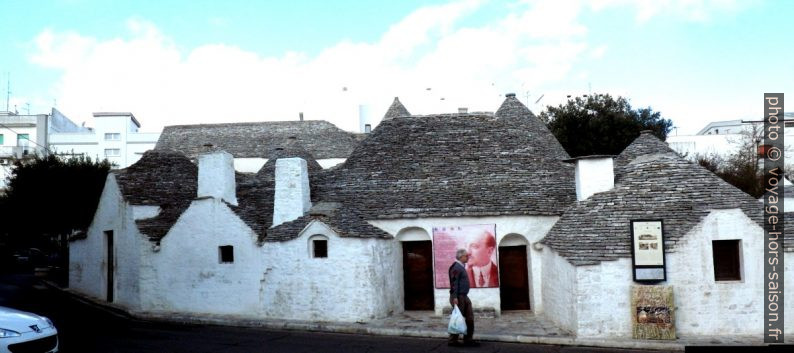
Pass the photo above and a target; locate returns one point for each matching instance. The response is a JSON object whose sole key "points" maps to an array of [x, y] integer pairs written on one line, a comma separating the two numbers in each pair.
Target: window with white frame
{"points": [[112, 152], [318, 246], [112, 136]]}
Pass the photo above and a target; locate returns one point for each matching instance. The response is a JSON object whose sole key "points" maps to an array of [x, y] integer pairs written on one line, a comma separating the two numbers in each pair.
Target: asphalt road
{"points": [[84, 328]]}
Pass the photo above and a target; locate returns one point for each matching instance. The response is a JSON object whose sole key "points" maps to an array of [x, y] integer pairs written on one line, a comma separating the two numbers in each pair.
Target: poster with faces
{"points": [[479, 241]]}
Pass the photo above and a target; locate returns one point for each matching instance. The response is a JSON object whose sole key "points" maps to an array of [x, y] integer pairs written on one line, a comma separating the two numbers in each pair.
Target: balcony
{"points": [[16, 151]]}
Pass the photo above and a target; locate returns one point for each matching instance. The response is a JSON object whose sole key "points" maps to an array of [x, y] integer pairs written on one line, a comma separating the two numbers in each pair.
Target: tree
{"points": [[600, 124], [741, 169], [48, 198]]}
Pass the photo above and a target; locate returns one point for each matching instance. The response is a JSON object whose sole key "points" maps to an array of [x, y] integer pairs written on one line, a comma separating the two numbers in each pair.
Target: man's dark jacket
{"points": [[458, 280]]}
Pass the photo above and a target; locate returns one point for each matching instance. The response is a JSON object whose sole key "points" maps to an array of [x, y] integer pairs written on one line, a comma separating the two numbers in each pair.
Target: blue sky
{"points": [[177, 62]]}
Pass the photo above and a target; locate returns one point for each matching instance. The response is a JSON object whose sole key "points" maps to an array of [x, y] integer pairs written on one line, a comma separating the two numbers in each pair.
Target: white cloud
{"points": [[146, 73], [692, 10]]}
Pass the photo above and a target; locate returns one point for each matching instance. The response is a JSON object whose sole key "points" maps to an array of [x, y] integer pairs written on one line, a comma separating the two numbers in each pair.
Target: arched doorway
{"points": [[417, 254], [513, 273]]}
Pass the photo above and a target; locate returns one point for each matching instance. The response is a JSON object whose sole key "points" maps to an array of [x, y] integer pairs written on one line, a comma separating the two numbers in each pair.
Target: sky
{"points": [[173, 62]]}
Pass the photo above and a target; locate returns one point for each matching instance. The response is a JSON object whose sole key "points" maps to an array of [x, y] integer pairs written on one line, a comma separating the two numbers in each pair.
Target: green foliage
{"points": [[743, 168], [600, 124], [49, 197]]}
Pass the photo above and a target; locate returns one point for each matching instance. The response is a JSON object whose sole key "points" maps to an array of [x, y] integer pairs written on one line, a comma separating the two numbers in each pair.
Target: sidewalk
{"points": [[517, 327]]}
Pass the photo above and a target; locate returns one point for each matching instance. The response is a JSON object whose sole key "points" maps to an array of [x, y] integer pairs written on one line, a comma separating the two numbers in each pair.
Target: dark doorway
{"points": [[109, 237], [418, 275], [513, 279]]}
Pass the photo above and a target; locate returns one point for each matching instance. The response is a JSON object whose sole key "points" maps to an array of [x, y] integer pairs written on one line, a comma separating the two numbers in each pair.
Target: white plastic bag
{"points": [[457, 323]]}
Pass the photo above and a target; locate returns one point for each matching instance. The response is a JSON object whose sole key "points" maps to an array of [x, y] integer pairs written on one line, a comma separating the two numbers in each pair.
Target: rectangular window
{"points": [[727, 263], [23, 140], [226, 254], [112, 136], [112, 152], [1, 139], [320, 248]]}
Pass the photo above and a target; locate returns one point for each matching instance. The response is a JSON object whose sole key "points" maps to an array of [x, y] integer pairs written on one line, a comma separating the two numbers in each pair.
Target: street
{"points": [[84, 328]]}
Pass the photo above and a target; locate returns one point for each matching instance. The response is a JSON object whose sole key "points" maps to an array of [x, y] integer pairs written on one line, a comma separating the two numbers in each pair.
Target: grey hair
{"points": [[460, 253]]}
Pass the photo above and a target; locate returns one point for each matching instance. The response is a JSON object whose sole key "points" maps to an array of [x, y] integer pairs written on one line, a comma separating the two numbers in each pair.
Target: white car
{"points": [[26, 332]]}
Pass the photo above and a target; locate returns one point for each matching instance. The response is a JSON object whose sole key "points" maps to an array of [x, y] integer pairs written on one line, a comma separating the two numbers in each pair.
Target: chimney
{"points": [[291, 199], [463, 110], [216, 176], [593, 174], [364, 117]]}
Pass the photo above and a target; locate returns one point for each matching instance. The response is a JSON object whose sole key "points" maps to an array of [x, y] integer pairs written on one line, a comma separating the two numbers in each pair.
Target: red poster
{"points": [[479, 240]]}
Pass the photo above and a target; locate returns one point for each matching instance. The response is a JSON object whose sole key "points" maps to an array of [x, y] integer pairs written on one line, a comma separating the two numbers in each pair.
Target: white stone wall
{"points": [[252, 165], [278, 280], [602, 297], [330, 162], [593, 175], [87, 257], [216, 176], [356, 282], [249, 165], [291, 199], [186, 275], [703, 306], [559, 290], [532, 228]]}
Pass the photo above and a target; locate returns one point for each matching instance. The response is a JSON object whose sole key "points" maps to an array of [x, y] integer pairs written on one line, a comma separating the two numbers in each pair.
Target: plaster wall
{"points": [[532, 228], [356, 282], [703, 306]]}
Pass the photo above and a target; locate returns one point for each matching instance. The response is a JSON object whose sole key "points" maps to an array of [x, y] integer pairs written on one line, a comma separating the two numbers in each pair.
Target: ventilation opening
{"points": [[226, 254], [727, 264], [320, 248]]}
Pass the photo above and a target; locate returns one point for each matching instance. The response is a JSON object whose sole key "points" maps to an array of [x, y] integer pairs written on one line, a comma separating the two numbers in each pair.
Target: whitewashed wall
{"points": [[356, 282], [186, 275], [249, 165], [532, 228], [703, 305], [87, 257], [559, 289]]}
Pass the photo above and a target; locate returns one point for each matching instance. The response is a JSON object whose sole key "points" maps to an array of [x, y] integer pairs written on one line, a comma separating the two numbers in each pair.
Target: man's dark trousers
{"points": [[464, 305]]}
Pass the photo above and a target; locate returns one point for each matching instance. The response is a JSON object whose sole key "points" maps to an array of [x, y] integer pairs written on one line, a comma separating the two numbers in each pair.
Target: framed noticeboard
{"points": [[647, 250]]}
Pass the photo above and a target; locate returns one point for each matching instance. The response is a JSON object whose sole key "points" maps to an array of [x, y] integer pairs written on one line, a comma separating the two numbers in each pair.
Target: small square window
{"points": [[367, 128], [226, 253], [727, 264], [320, 248]]}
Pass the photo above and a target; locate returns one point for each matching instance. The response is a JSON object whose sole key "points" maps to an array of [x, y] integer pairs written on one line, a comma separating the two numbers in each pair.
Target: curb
{"points": [[358, 328]]}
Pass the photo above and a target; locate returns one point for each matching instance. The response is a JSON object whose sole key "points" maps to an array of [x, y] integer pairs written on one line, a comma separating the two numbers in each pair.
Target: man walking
{"points": [[458, 295]]}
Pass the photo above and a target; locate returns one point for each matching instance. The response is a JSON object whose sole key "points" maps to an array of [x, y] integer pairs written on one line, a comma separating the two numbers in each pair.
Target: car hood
{"points": [[21, 321]]}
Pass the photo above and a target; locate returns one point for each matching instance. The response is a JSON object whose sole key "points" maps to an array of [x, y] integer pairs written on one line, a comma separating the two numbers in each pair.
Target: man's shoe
{"points": [[471, 343], [454, 344]]}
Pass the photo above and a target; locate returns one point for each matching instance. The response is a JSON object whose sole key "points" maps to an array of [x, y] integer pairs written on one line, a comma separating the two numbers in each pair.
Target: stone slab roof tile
{"points": [[161, 178], [260, 139], [397, 109], [655, 183], [454, 165]]}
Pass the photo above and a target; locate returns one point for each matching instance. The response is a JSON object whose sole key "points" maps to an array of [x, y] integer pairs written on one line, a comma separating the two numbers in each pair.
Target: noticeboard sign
{"points": [[647, 250]]}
